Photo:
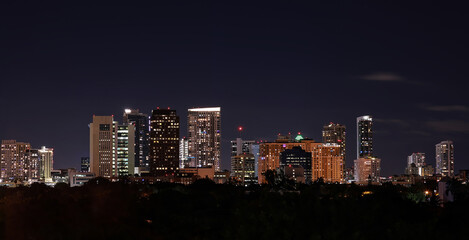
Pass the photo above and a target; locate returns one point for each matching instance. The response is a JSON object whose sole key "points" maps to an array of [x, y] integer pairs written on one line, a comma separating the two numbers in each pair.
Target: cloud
{"points": [[454, 126], [397, 122], [447, 108], [382, 77]]}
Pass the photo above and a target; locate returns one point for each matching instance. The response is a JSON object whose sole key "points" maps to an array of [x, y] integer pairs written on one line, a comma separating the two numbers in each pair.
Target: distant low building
{"points": [[367, 170], [77, 179]]}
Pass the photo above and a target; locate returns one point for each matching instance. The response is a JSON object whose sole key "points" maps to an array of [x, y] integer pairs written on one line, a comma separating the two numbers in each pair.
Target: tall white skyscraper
{"points": [[46, 161], [204, 136], [444, 155]]}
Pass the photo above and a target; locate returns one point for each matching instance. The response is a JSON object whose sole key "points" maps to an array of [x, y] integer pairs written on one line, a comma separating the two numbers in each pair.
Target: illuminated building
{"points": [[297, 157], [46, 161], [204, 134], [164, 142], [367, 170], [335, 133], [13, 160], [77, 179], [444, 155], [183, 152], [103, 144], [142, 134], [125, 150], [243, 168], [364, 137], [328, 163], [33, 166], [240, 147], [269, 153], [85, 164], [416, 165]]}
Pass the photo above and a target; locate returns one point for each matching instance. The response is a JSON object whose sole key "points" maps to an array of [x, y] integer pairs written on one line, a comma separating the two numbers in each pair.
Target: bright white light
{"points": [[211, 109], [128, 111]]}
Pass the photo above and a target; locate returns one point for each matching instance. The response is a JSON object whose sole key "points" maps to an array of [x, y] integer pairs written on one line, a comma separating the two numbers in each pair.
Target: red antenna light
{"points": [[299, 133], [240, 128]]}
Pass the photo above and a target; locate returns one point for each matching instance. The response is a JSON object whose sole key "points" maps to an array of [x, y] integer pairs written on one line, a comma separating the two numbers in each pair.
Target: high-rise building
{"points": [[240, 146], [367, 170], [416, 165], [46, 161], [335, 133], [364, 137], [164, 142], [328, 163], [33, 165], [445, 159], [125, 150], [243, 168], [297, 157], [85, 164], [13, 160], [183, 152], [204, 134], [269, 153], [142, 134], [103, 146]]}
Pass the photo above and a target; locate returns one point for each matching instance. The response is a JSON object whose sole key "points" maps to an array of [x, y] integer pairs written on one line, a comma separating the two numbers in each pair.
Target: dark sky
{"points": [[272, 67]]}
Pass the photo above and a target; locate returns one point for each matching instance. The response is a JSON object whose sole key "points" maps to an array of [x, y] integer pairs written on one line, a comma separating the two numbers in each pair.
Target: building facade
{"points": [[141, 124], [46, 161], [367, 170], [297, 157], [364, 137], [85, 164], [328, 163], [335, 133], [103, 146], [164, 142], [444, 154], [125, 150], [184, 153], [13, 160], [243, 168], [204, 135]]}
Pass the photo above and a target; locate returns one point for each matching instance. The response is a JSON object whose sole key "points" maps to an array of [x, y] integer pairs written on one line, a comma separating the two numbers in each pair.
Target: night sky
{"points": [[272, 67]]}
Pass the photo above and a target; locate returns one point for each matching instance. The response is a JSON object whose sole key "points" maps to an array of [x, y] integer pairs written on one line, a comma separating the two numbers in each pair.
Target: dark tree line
{"points": [[204, 210]]}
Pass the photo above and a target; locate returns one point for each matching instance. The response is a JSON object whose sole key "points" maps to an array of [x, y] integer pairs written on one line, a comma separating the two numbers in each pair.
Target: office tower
{"points": [[297, 157], [255, 152], [335, 133], [445, 159], [269, 153], [13, 157], [204, 134], [416, 165], [240, 146], [125, 150], [364, 137], [243, 168], [183, 152], [85, 164], [328, 163], [142, 134], [33, 165], [46, 161], [103, 143], [164, 142], [416, 158], [367, 170]]}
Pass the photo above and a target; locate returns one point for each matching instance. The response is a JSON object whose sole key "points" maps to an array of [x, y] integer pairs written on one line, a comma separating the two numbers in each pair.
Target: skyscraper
{"points": [[13, 160], [125, 150], [364, 137], [33, 165], [445, 159], [335, 133], [240, 146], [183, 152], [328, 163], [367, 170], [243, 168], [142, 135], [46, 161], [103, 144], [204, 134], [416, 165], [164, 142], [297, 157]]}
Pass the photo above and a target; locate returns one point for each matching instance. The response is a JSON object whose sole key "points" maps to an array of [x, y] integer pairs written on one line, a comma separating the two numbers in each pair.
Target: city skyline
{"points": [[405, 65]]}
